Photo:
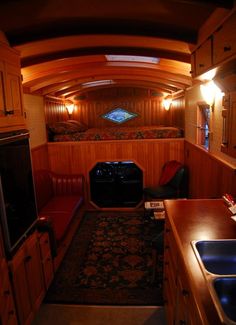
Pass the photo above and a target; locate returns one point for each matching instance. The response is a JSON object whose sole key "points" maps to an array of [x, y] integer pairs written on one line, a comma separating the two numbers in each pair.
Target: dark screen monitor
{"points": [[17, 197]]}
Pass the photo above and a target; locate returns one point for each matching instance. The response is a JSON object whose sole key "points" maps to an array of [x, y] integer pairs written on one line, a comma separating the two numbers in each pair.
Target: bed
{"points": [[76, 131]]}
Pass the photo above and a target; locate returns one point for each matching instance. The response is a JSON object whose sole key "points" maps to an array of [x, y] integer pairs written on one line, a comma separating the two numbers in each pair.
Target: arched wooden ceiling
{"points": [[63, 44]]}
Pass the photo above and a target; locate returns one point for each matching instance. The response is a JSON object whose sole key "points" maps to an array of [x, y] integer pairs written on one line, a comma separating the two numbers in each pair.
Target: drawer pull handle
{"points": [[28, 258], [11, 312], [9, 112], [185, 292], [201, 65], [182, 322], [227, 48]]}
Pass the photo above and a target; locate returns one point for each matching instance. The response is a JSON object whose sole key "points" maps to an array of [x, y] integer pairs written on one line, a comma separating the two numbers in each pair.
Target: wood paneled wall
{"points": [[39, 157], [81, 157], [144, 102], [209, 177]]}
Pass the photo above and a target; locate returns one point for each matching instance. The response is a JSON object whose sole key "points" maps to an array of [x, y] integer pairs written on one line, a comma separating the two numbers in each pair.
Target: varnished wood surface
{"points": [[209, 177], [199, 220], [39, 156], [143, 102], [81, 157]]}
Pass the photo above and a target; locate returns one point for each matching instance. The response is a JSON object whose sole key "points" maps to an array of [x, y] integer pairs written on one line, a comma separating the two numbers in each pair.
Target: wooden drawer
{"points": [[46, 258], [48, 271], [44, 245], [224, 40], [203, 57], [7, 307]]}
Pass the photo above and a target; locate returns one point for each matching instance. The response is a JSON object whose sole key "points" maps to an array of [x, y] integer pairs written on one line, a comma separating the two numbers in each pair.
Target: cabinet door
{"points": [[2, 90], [203, 57], [224, 40], [34, 274], [27, 279], [14, 102], [229, 124], [21, 288], [46, 257], [7, 307], [232, 126], [11, 97]]}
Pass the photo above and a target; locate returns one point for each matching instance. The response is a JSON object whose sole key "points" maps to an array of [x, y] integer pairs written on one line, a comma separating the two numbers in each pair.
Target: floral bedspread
{"points": [[121, 133]]}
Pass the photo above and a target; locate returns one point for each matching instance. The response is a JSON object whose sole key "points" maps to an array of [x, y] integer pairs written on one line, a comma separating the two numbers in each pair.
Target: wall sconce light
{"points": [[167, 103], [70, 107], [209, 92]]}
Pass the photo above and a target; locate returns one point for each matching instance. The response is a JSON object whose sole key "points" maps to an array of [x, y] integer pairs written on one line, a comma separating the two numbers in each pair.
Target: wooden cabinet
{"points": [[170, 275], [179, 300], [224, 40], [228, 145], [27, 278], [7, 306], [46, 258], [219, 48], [11, 98], [203, 57]]}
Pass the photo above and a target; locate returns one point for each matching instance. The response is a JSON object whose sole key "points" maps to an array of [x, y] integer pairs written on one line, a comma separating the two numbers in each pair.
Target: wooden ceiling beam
{"points": [[228, 4], [36, 84], [174, 86], [60, 55]]}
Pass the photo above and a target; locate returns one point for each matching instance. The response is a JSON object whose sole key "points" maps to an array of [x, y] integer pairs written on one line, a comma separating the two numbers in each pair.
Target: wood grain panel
{"points": [[209, 176], [81, 157], [144, 102], [39, 157]]}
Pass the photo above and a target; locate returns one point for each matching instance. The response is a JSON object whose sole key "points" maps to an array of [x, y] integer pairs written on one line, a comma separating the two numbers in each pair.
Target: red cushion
{"points": [[60, 222], [61, 209], [62, 204], [169, 170]]}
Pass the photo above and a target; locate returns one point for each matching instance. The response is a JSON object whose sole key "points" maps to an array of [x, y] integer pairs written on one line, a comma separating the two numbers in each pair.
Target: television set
{"points": [[18, 212]]}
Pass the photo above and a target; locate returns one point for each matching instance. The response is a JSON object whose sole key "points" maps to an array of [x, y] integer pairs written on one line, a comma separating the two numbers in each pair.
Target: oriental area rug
{"points": [[110, 262]]}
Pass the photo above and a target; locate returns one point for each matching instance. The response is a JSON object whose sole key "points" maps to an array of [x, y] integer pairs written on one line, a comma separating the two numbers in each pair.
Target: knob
{"points": [[28, 258], [227, 48]]}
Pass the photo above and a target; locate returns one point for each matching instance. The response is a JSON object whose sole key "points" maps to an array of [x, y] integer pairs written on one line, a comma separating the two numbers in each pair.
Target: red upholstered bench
{"points": [[59, 198]]}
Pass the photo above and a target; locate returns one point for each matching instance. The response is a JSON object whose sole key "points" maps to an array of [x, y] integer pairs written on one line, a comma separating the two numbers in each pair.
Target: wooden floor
{"points": [[99, 315]]}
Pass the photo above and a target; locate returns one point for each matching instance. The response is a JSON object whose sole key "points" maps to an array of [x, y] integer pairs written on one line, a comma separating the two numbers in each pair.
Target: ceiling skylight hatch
{"points": [[132, 58], [97, 83]]}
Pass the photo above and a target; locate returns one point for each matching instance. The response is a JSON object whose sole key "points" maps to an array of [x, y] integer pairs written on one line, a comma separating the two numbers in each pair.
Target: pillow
{"points": [[81, 126], [63, 128]]}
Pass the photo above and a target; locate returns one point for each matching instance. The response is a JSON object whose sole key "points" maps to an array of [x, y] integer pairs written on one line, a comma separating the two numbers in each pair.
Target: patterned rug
{"points": [[110, 262]]}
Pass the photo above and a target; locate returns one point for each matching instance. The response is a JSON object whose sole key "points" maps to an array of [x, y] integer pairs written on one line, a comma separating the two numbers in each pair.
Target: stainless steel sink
{"points": [[217, 256], [225, 289], [217, 259]]}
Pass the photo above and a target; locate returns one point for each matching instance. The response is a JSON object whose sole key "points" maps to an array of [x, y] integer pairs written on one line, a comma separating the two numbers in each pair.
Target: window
{"points": [[203, 125], [119, 115]]}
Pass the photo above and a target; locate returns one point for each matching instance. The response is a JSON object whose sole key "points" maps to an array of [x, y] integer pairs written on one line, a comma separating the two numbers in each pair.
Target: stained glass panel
{"points": [[119, 115]]}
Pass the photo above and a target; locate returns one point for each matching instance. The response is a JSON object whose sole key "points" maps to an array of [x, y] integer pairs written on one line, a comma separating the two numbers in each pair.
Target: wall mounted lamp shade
{"points": [[167, 103], [209, 92], [69, 106]]}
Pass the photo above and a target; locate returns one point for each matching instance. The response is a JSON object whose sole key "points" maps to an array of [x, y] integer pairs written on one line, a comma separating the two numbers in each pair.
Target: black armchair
{"points": [[173, 182]]}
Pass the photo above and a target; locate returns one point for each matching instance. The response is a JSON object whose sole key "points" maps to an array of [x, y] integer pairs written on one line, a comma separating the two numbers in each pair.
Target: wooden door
{"points": [[21, 288], [33, 267]]}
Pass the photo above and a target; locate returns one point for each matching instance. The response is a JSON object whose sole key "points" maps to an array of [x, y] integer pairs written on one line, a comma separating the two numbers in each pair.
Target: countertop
{"points": [[199, 219]]}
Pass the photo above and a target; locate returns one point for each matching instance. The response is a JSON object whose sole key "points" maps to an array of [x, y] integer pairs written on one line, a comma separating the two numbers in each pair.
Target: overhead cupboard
{"points": [[218, 47], [11, 98]]}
